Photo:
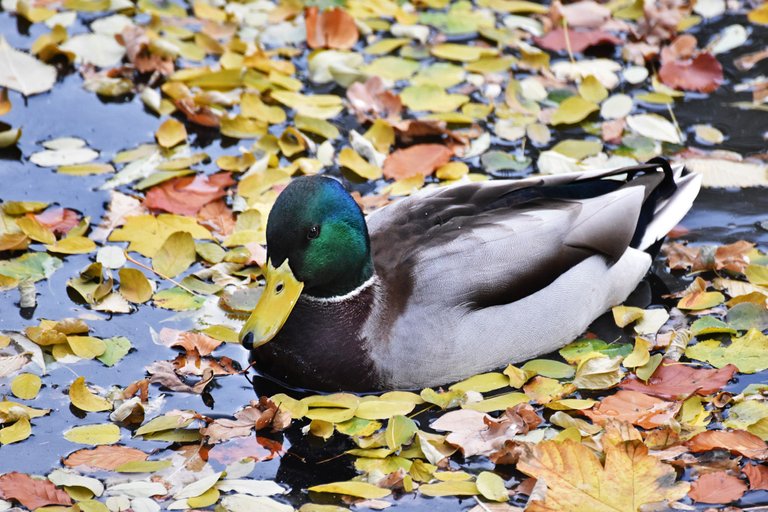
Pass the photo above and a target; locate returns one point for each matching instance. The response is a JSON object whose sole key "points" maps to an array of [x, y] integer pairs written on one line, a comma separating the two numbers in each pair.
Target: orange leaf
{"points": [[188, 194], [634, 407], [758, 476], [415, 160], [104, 457], [679, 381], [736, 441], [374, 99], [31, 492], [189, 341], [218, 217], [717, 487], [333, 28]]}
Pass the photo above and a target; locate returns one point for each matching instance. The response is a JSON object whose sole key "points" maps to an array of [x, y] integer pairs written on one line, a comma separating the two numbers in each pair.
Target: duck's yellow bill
{"points": [[276, 303]]}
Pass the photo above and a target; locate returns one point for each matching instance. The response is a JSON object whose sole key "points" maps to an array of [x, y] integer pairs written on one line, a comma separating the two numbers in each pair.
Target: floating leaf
{"points": [[175, 255], [171, 133], [573, 110], [400, 431], [351, 488], [421, 159], [104, 457], [491, 487], [21, 72], [134, 285], [747, 353], [26, 386], [32, 492], [654, 127], [84, 399], [100, 434], [18, 431]]}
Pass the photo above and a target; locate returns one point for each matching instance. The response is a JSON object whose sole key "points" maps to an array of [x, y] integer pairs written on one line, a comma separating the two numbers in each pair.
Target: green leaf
{"points": [[115, 349], [748, 315], [549, 368], [582, 349], [400, 431], [177, 299], [710, 325], [32, 266], [492, 487], [351, 488], [747, 353]]}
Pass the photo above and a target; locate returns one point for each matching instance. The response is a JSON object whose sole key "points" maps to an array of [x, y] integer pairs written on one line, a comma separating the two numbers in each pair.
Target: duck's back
{"points": [[480, 275]]}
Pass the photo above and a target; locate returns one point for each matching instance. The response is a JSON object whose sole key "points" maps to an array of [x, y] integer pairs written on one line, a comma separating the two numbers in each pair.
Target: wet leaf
{"points": [[674, 381], [104, 457], [737, 441], [421, 159], [400, 431], [82, 398], [351, 488], [573, 110], [18, 431], [32, 492], [21, 72], [99, 434], [450, 488], [171, 133], [717, 487], [26, 386], [175, 255], [633, 407], [134, 285], [747, 352]]}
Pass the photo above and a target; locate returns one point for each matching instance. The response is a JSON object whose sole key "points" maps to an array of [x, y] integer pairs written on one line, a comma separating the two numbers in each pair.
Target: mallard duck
{"points": [[451, 281]]}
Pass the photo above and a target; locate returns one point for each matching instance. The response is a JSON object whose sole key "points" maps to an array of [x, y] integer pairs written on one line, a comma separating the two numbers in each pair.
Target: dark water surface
{"points": [[718, 216]]}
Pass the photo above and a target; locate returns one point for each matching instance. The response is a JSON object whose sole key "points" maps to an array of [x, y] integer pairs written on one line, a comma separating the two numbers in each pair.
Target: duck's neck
{"points": [[347, 283]]}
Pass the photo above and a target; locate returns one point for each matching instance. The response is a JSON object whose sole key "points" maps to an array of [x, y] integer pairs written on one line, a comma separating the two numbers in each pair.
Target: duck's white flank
{"points": [[341, 298]]}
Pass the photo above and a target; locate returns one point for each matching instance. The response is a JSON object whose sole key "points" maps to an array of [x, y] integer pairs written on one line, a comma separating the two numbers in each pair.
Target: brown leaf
{"points": [[733, 256], [104, 457], [188, 194], [758, 476], [257, 448], [633, 407], [476, 433], [736, 441], [198, 114], [333, 28], [419, 159], [371, 100], [218, 217], [677, 381], [188, 340], [717, 487], [137, 50], [57, 219], [31, 492], [556, 41], [682, 67], [164, 374], [257, 415]]}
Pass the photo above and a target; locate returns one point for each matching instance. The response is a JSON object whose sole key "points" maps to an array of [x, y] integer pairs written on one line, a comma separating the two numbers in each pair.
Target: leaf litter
{"points": [[426, 106]]}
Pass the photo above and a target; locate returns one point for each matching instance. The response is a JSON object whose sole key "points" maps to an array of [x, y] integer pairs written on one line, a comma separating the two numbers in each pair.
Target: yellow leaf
{"points": [[171, 133], [461, 52], [208, 498], [36, 231], [759, 15], [83, 399], [450, 488], [19, 431], [252, 106], [432, 98], [756, 274], [146, 233], [175, 255], [378, 409], [240, 127], [577, 481], [86, 347], [94, 435], [349, 158], [573, 110], [134, 285], [491, 486], [592, 90], [700, 300], [352, 488], [625, 315], [26, 386], [482, 383], [549, 368], [73, 245], [497, 403], [321, 106], [640, 355], [7, 406]]}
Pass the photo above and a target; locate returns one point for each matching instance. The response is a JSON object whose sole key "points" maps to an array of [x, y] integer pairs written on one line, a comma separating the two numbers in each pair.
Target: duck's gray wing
{"points": [[459, 261]]}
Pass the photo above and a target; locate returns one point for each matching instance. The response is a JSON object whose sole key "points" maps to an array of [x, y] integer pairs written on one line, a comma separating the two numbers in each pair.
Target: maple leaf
{"points": [[31, 492], [577, 481], [104, 457]]}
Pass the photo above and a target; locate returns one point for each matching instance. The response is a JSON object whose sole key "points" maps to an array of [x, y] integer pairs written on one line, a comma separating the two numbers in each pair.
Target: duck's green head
{"points": [[317, 244]]}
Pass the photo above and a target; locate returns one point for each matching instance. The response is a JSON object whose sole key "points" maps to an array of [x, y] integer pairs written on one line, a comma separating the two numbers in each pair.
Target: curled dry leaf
{"points": [[372, 99], [634, 407], [188, 340], [137, 49], [188, 194], [421, 159], [333, 28], [732, 257], [164, 374], [676, 381], [258, 415], [718, 487]]}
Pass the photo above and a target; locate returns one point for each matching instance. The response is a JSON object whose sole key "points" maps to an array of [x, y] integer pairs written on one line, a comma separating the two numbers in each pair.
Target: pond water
{"points": [[718, 216]]}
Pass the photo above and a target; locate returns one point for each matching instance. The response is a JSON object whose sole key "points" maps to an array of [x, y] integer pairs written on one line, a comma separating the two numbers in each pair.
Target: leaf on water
{"points": [[758, 476], [26, 386], [450, 488], [99, 434], [175, 255], [21, 72], [97, 49], [82, 398], [332, 28], [18, 431], [147, 233], [32, 266], [86, 347], [747, 352], [32, 492], [67, 478], [421, 159], [576, 480], [718, 487], [104, 457], [135, 286], [352, 488], [491, 486], [633, 407], [171, 133], [737, 441], [688, 69], [677, 381], [400, 431], [557, 41], [189, 194]]}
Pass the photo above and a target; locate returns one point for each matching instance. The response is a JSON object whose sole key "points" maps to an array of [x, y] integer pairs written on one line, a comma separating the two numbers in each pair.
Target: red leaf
{"points": [[415, 160], [736, 441], [680, 381], [758, 476], [187, 195], [717, 487], [702, 73], [104, 457], [333, 28], [57, 219], [31, 492], [579, 40]]}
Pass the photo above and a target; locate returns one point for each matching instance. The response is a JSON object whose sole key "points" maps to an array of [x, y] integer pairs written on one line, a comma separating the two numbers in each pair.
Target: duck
{"points": [[451, 281]]}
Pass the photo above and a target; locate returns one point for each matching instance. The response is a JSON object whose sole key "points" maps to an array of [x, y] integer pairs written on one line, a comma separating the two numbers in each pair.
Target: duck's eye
{"points": [[313, 232], [279, 288]]}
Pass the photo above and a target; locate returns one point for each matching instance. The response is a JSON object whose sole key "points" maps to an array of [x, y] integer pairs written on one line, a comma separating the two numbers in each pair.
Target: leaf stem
{"points": [[568, 41]]}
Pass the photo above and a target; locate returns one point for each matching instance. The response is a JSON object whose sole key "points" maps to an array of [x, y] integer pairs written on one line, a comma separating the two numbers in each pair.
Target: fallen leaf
{"points": [[187, 195], [737, 441], [21, 72], [104, 457], [171, 133], [31, 492], [84, 399], [99, 434], [175, 255], [633, 407], [188, 340], [332, 28], [352, 488], [576, 480], [580, 40], [676, 381], [718, 487], [573, 110], [26, 386], [758, 476], [747, 352], [421, 159]]}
